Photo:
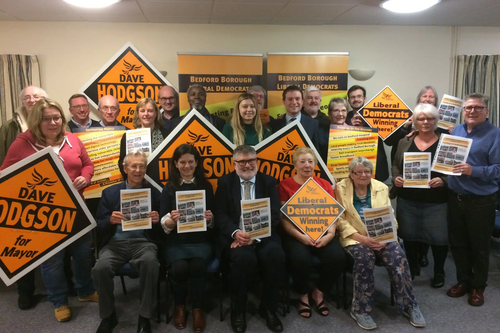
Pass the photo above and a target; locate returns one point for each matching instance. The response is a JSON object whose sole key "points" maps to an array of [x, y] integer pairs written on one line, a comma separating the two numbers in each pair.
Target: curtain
{"points": [[479, 74], [16, 72]]}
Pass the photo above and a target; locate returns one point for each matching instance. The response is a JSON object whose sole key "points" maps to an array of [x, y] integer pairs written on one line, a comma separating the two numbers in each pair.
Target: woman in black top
{"points": [[422, 212], [187, 254]]}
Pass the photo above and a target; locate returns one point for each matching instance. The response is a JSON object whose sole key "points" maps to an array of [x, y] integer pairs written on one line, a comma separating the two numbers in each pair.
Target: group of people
{"points": [[457, 211]]}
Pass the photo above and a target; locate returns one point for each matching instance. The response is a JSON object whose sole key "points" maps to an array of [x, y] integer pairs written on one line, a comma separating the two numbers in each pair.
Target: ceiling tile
{"points": [[254, 11], [234, 20], [300, 21], [173, 9], [313, 11], [178, 19]]}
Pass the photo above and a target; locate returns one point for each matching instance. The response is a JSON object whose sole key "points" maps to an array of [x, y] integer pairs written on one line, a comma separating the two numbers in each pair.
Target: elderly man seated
{"points": [[117, 247]]}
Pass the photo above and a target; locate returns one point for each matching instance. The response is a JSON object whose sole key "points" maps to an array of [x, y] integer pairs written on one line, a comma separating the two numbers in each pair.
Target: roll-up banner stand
{"points": [[325, 70], [224, 77]]}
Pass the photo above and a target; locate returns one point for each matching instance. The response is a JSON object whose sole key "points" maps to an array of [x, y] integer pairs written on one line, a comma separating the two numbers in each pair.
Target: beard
{"points": [[197, 107]]}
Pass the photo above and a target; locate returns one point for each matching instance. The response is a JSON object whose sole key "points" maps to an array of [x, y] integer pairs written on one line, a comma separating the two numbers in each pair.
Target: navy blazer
{"points": [[310, 125], [227, 206], [110, 202]]}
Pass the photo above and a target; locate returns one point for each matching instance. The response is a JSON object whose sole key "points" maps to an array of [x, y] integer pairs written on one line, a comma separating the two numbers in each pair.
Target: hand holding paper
{"points": [[242, 238], [399, 182], [463, 168], [79, 183], [208, 216], [116, 217], [155, 217], [436, 182]]}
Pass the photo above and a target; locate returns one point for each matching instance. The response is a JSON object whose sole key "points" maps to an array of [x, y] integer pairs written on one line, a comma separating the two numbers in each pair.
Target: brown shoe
{"points": [[458, 290], [476, 297], [180, 317], [199, 323]]}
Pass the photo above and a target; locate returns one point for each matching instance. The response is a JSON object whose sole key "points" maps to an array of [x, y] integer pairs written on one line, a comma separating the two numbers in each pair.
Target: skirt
{"points": [[422, 222]]}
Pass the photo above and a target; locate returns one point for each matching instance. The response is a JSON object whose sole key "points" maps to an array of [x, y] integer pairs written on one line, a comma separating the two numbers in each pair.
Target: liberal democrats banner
{"points": [[40, 214], [224, 77], [325, 70]]}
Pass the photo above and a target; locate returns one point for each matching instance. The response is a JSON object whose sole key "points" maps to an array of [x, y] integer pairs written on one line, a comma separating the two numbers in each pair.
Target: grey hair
{"points": [[311, 88], [423, 90], [337, 100], [196, 85], [135, 153], [43, 93], [117, 102], [256, 88], [482, 97], [360, 160], [245, 150], [428, 110]]}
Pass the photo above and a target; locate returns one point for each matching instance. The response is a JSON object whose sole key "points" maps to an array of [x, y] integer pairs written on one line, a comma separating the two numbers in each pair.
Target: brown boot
{"points": [[180, 317], [199, 323]]}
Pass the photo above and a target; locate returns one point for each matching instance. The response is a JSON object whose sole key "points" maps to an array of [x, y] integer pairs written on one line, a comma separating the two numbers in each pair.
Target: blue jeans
{"points": [[55, 279]]}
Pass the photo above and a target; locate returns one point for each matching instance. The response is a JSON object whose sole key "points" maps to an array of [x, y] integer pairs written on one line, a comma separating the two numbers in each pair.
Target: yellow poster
{"points": [[103, 147], [224, 77], [312, 209], [326, 71], [129, 77], [386, 111], [347, 142], [40, 214]]}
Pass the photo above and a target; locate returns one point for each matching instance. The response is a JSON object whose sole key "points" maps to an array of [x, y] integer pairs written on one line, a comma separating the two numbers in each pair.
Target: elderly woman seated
{"points": [[356, 193]]}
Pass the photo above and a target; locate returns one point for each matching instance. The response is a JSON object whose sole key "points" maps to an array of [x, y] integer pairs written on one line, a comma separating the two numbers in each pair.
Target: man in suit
{"points": [[80, 113], [292, 100], [117, 247], [311, 108], [197, 98], [245, 255]]}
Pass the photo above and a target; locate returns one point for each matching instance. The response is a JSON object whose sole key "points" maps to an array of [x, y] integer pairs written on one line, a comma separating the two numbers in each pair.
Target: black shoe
{"points": [[438, 280], [25, 302], [272, 320], [424, 261], [415, 271], [144, 325], [107, 324], [238, 322]]}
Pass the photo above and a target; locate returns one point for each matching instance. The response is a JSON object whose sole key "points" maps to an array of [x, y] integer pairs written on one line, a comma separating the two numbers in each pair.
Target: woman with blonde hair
{"points": [[146, 115], [245, 126]]}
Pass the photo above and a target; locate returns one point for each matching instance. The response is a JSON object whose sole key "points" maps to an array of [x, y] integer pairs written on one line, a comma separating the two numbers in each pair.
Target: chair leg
{"points": [[158, 300], [337, 293], [123, 285], [221, 308], [284, 298], [393, 296], [167, 305]]}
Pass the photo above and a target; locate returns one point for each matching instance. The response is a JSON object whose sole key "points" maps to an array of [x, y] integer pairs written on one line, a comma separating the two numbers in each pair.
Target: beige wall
{"points": [[406, 58]]}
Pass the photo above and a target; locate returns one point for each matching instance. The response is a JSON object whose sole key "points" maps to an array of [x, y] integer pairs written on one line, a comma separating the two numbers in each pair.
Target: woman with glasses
{"points": [[356, 193], [146, 115], [245, 127], [187, 254], [46, 128], [422, 212], [300, 248]]}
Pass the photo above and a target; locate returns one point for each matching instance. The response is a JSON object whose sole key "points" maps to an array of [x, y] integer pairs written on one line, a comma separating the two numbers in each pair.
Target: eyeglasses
{"points": [[339, 111], [429, 120], [34, 97], [55, 119], [165, 99], [250, 162], [108, 108], [360, 173], [83, 106], [478, 108], [137, 166]]}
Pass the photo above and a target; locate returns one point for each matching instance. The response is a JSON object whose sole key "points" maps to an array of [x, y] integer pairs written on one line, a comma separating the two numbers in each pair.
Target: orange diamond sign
{"points": [[40, 214], [312, 209], [194, 129], [129, 77], [386, 111]]}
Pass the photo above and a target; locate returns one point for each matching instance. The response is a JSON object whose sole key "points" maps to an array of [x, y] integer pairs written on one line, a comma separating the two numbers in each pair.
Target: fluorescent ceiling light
{"points": [[92, 3], [408, 6]]}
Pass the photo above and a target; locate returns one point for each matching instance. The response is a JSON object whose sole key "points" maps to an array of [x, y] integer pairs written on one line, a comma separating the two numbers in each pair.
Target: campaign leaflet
{"points": [[380, 224], [417, 170], [139, 139], [256, 217], [451, 150], [191, 207], [135, 206], [449, 111]]}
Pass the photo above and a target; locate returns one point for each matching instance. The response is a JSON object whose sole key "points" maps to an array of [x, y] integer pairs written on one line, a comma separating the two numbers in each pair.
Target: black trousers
{"points": [[331, 263], [267, 256], [470, 225]]}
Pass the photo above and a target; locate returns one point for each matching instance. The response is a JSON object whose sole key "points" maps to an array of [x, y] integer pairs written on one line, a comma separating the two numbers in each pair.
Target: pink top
{"points": [[73, 154], [288, 187]]}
